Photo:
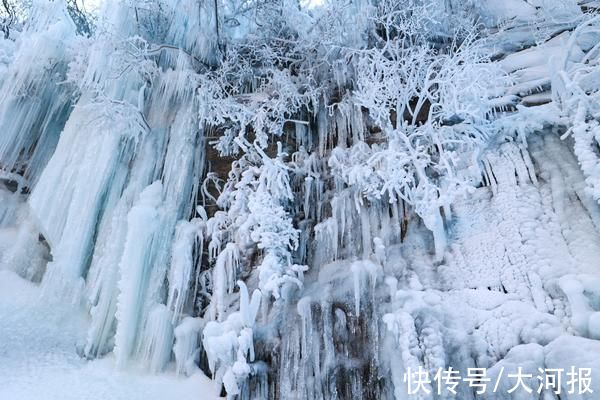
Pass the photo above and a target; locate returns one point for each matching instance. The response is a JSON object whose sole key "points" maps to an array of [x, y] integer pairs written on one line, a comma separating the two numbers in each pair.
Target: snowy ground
{"points": [[39, 360]]}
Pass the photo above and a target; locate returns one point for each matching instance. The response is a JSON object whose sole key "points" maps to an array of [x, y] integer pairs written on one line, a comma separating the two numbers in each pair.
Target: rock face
{"points": [[237, 194]]}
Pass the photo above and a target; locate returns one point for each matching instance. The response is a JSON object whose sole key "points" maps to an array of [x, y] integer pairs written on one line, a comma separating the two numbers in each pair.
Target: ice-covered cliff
{"points": [[311, 201]]}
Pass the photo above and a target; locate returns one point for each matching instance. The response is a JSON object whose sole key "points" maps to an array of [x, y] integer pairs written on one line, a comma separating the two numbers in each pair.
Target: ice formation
{"points": [[308, 202]]}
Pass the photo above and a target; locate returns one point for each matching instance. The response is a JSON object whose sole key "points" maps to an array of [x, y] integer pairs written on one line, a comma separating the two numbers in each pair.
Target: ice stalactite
{"points": [[135, 122], [37, 99], [195, 28], [435, 224], [102, 285], [347, 125], [104, 275], [326, 235], [183, 262], [66, 196], [157, 340], [357, 230], [327, 333], [184, 152], [89, 169], [359, 270], [142, 229], [224, 278], [177, 193]]}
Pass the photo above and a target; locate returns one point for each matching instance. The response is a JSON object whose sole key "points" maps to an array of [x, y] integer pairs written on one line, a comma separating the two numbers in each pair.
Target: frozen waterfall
{"points": [[307, 201]]}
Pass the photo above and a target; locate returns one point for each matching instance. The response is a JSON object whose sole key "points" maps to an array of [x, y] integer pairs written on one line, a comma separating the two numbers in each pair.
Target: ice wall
{"points": [[125, 170], [37, 99], [309, 227]]}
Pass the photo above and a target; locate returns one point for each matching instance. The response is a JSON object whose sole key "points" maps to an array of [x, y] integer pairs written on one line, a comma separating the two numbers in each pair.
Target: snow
{"points": [[39, 357]]}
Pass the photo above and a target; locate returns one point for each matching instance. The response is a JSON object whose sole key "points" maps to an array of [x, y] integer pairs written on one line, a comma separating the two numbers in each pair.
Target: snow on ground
{"points": [[39, 360]]}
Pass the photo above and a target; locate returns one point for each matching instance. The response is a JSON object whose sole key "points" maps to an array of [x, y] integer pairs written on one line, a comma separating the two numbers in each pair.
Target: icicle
{"points": [[224, 277], [320, 190], [34, 107], [182, 264], [308, 185], [304, 135], [435, 224], [338, 209], [103, 277], [356, 275], [357, 124], [365, 224], [331, 333], [71, 194], [341, 127], [157, 338], [306, 345], [401, 327], [194, 28], [142, 224], [322, 128], [359, 270], [326, 235]]}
